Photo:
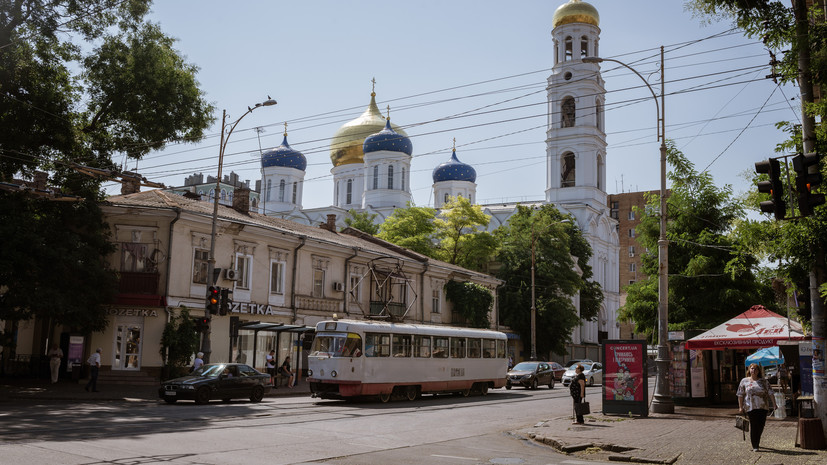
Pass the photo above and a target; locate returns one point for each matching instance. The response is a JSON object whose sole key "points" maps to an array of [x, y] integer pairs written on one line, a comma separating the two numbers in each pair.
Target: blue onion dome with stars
{"points": [[284, 156], [388, 139], [454, 170]]}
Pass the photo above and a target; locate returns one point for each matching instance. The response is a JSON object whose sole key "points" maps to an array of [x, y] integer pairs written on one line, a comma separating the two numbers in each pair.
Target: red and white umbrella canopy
{"points": [[755, 328]]}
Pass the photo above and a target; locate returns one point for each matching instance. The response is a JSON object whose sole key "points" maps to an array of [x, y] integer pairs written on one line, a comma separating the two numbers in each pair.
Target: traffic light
{"points": [[774, 187], [201, 323], [805, 181], [213, 297], [224, 305]]}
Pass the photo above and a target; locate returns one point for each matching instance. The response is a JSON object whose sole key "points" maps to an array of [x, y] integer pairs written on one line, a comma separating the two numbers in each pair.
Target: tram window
{"points": [[377, 345], [401, 345], [489, 348], [500, 349], [458, 345], [440, 347], [474, 348], [353, 346], [422, 346]]}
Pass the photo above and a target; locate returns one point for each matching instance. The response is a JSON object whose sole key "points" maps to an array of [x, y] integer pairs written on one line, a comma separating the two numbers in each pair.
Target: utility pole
{"points": [[805, 81]]}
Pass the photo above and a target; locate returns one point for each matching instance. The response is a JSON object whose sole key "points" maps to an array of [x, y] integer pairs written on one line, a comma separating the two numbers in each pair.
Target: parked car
{"points": [[558, 370], [530, 375], [223, 381], [593, 372]]}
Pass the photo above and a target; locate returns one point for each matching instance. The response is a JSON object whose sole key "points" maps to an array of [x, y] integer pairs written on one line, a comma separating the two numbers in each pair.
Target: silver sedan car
{"points": [[593, 372]]}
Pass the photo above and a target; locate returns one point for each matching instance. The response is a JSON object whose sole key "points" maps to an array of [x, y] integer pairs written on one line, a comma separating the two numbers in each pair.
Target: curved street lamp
{"points": [[662, 402], [205, 343]]}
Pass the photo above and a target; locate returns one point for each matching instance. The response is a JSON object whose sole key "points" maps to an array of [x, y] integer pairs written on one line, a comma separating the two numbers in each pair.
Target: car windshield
{"points": [[209, 371], [525, 366]]}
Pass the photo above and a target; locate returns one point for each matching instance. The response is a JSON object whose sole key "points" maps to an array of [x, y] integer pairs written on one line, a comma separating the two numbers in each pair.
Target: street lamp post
{"points": [[662, 402], [533, 302], [205, 342]]}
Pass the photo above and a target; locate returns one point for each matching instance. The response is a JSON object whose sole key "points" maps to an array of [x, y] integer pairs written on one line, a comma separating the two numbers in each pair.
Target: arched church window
{"points": [[598, 110], [212, 194], [567, 112], [584, 47], [403, 178], [336, 194], [568, 48], [349, 193], [601, 171], [446, 198], [390, 177], [556, 51], [376, 177], [295, 189], [568, 170], [281, 190], [223, 195], [231, 197], [269, 186]]}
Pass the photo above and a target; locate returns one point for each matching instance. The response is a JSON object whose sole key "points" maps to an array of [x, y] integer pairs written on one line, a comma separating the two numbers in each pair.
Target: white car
{"points": [[593, 372]]}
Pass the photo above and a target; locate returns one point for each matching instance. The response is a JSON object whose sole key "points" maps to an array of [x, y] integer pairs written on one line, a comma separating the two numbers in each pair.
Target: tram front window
{"points": [[337, 345]]}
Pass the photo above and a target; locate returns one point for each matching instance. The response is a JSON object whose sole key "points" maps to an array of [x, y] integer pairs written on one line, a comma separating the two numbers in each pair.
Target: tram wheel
{"points": [[484, 389], [465, 392], [411, 393], [384, 397]]}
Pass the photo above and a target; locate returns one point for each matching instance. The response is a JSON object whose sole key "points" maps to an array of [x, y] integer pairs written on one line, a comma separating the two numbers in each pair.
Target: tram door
{"points": [[127, 353]]}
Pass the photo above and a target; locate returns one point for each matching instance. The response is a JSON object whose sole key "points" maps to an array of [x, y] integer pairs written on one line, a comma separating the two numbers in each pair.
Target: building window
{"points": [[349, 193], [568, 49], [336, 194], [281, 190], [633, 267], [135, 258], [584, 47], [435, 301], [631, 214], [223, 195], [318, 283], [599, 114], [631, 233], [295, 189], [631, 281], [212, 195], [355, 289], [376, 177], [390, 177], [276, 277], [269, 187], [446, 198], [568, 173], [242, 267], [568, 112], [631, 251], [200, 264], [403, 178]]}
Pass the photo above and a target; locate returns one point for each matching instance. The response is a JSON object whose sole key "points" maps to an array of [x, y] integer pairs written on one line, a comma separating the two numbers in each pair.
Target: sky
{"points": [[474, 71]]}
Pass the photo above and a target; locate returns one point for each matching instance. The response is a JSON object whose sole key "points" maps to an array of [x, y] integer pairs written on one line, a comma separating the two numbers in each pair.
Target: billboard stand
{"points": [[625, 378]]}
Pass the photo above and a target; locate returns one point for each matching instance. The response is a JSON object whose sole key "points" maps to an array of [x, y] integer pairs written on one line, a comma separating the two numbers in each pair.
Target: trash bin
{"points": [[76, 369], [781, 406]]}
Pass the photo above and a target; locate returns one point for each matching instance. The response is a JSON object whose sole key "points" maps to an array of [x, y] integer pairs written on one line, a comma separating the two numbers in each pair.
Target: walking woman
{"points": [[577, 388], [756, 399]]}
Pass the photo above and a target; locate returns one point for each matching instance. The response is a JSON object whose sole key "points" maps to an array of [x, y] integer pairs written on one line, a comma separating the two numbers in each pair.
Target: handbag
{"points": [[582, 408], [742, 423]]}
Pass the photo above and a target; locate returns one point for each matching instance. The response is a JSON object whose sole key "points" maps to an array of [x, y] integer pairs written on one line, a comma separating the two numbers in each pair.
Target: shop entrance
{"points": [[127, 350]]}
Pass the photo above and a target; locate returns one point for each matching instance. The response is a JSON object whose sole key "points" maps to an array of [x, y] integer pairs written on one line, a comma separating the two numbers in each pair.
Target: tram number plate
{"points": [[457, 372], [170, 393]]}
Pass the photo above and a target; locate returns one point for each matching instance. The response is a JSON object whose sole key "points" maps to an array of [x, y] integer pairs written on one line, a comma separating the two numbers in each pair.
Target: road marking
{"points": [[453, 457]]}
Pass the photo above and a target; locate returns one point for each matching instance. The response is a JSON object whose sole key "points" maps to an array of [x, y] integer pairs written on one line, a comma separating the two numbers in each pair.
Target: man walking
{"points": [[94, 362]]}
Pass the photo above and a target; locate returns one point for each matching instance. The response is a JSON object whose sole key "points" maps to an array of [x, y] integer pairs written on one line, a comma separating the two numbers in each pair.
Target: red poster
{"points": [[624, 375]]}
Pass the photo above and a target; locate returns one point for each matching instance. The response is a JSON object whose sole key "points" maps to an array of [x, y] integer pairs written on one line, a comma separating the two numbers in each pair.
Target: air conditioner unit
{"points": [[231, 274], [338, 287]]}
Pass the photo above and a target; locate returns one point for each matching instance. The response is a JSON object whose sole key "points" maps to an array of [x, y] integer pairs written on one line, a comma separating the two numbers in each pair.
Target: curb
{"points": [[572, 448]]}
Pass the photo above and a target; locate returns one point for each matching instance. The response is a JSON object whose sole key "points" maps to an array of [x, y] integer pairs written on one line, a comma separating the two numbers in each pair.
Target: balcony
{"points": [[395, 309], [139, 289]]}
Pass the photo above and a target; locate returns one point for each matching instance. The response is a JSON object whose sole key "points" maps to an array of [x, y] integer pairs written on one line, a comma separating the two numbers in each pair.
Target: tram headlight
{"points": [[333, 373], [309, 372]]}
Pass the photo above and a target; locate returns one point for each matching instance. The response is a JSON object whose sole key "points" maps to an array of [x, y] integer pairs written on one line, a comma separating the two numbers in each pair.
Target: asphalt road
{"points": [[296, 430]]}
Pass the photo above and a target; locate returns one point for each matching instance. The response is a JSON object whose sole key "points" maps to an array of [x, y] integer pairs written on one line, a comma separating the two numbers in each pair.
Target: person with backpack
{"points": [[577, 388]]}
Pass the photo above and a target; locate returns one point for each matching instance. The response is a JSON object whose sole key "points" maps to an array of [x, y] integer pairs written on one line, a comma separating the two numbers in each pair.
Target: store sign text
{"points": [[131, 312], [252, 308]]}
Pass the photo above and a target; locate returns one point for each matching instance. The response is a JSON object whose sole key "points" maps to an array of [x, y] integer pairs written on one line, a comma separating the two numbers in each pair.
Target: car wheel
{"points": [[551, 383], [508, 386], [170, 400], [384, 397], [202, 396], [534, 384], [591, 381], [257, 395]]}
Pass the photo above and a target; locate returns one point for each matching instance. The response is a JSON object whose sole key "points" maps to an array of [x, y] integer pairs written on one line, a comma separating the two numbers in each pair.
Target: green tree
{"points": [[178, 342], [472, 301], [363, 221], [411, 227], [559, 249], [712, 277], [81, 82], [462, 238]]}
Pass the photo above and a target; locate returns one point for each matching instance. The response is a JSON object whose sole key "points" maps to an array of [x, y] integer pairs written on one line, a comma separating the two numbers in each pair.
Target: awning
{"points": [[753, 329]]}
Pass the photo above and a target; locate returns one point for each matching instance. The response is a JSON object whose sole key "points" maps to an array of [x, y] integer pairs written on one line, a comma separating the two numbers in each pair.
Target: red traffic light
{"points": [[213, 298]]}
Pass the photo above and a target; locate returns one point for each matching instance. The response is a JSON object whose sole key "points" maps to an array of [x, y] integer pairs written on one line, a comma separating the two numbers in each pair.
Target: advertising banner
{"points": [[625, 387]]}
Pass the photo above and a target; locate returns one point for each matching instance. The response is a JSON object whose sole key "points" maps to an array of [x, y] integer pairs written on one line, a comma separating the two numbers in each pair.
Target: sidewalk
{"points": [[42, 389]]}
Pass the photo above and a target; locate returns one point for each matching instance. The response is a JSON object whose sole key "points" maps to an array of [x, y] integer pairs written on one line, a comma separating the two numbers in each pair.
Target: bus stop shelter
{"points": [[252, 340]]}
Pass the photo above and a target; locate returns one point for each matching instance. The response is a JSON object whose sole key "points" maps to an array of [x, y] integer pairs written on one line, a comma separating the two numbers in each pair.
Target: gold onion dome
{"points": [[347, 144], [576, 11]]}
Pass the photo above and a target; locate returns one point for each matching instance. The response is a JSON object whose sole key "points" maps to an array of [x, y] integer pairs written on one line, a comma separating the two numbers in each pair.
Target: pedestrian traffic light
{"points": [[202, 323], [213, 297], [224, 305], [774, 187], [807, 176]]}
